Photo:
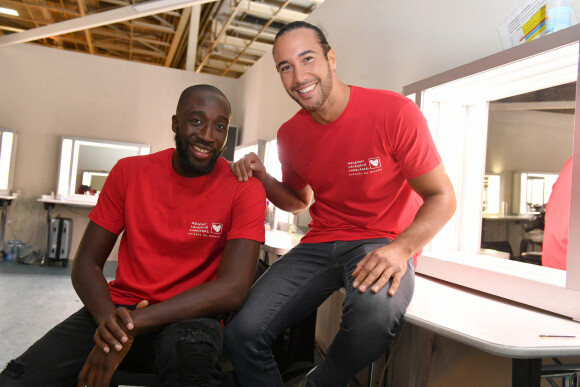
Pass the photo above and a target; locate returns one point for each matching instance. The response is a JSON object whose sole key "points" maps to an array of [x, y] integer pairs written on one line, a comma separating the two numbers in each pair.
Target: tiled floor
{"points": [[32, 300]]}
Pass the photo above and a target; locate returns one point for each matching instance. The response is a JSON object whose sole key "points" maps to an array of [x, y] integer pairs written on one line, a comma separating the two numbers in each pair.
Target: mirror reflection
{"points": [[85, 164], [529, 141]]}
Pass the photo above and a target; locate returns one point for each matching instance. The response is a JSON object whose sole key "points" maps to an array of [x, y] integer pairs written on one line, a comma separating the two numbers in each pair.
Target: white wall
{"points": [[46, 93], [384, 44]]}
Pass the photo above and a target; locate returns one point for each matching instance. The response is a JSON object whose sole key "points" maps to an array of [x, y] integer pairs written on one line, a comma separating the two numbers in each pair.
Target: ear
{"points": [[331, 58], [174, 124]]}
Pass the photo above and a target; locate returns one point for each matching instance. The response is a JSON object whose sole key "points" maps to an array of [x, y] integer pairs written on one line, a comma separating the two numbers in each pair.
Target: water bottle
{"points": [[17, 247], [559, 15], [9, 251]]}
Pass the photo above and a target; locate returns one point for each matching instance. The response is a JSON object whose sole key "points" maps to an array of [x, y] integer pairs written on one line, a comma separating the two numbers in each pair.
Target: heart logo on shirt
{"points": [[375, 162], [216, 228]]}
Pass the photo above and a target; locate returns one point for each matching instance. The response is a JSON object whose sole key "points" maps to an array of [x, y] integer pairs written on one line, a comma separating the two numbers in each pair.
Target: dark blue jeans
{"points": [[186, 353], [291, 289]]}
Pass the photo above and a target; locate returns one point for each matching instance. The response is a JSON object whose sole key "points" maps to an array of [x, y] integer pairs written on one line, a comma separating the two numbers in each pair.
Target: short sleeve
{"points": [[289, 175], [110, 208], [248, 211], [413, 147]]}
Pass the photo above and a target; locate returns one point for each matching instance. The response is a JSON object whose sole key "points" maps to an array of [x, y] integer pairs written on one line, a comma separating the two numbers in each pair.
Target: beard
{"points": [[325, 88], [191, 166]]}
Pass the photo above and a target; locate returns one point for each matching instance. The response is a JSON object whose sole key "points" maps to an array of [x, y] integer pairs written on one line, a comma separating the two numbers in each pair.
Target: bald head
{"points": [[191, 90]]}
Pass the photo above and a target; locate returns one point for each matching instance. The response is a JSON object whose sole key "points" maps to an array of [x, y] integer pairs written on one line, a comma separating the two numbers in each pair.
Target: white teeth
{"points": [[306, 90], [200, 150]]}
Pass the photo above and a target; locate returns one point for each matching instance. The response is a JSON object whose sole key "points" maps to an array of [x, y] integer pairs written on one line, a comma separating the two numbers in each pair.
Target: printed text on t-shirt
{"points": [[205, 229], [364, 167]]}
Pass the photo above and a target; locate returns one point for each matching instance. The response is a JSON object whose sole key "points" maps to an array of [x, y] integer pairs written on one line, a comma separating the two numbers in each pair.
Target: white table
{"points": [[49, 203], [485, 322], [5, 201], [493, 325], [279, 243]]}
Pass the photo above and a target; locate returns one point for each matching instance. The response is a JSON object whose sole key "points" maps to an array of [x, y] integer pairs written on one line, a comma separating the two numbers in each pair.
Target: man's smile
{"points": [[200, 153], [305, 91]]}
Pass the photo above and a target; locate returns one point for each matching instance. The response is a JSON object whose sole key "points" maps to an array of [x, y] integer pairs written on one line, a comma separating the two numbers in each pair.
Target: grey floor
{"points": [[35, 298], [32, 300]]}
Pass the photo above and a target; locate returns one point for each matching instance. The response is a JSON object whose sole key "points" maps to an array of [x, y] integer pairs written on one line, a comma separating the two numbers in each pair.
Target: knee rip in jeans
{"points": [[197, 356], [14, 370]]}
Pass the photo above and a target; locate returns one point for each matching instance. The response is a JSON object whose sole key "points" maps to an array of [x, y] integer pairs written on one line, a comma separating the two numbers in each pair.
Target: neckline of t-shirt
{"points": [[188, 180], [343, 115]]}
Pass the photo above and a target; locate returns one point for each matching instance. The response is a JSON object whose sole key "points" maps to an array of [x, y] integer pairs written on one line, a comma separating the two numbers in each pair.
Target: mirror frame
{"points": [[453, 255], [68, 164], [7, 160]]}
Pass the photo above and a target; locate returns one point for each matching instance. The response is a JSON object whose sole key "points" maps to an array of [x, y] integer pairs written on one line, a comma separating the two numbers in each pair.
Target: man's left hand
{"points": [[378, 267], [99, 366]]}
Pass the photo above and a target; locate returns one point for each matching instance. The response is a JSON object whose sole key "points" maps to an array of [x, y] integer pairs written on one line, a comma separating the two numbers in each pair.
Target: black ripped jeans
{"points": [[186, 353]]}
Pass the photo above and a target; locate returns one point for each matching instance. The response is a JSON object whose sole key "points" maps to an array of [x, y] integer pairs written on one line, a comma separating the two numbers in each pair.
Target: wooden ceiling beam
{"points": [[220, 34], [267, 11], [28, 5], [153, 27], [253, 40], [115, 47], [82, 8], [234, 41], [98, 19], [122, 35], [183, 21]]}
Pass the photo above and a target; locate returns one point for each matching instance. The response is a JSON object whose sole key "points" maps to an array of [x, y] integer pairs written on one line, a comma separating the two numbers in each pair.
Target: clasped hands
{"points": [[114, 332]]}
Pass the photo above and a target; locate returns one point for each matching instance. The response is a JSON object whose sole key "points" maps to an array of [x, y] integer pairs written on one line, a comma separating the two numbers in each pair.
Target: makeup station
{"points": [[84, 166]]}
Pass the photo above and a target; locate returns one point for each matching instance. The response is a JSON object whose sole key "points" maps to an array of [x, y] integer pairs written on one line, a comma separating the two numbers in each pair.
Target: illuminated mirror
{"points": [[280, 219], [7, 154], [529, 138], [85, 164], [492, 195], [462, 108]]}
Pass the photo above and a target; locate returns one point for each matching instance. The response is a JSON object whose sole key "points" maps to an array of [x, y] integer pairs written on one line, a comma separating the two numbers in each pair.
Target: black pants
{"points": [[186, 353]]}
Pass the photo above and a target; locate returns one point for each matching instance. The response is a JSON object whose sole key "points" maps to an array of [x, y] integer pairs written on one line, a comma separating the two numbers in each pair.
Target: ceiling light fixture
{"points": [[9, 11]]}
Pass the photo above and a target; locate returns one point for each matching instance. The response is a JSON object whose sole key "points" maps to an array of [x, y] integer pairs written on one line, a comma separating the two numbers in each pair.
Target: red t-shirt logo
{"points": [[216, 228], [375, 162]]}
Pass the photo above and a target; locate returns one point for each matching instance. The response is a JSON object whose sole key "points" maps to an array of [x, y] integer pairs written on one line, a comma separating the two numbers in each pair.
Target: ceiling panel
{"points": [[231, 35]]}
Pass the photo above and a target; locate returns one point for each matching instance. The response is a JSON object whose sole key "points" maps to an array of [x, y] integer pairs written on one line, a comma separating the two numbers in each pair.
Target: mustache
{"points": [[301, 85]]}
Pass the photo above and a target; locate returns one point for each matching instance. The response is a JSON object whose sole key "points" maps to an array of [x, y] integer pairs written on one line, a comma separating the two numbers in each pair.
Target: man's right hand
{"points": [[248, 166], [112, 332]]}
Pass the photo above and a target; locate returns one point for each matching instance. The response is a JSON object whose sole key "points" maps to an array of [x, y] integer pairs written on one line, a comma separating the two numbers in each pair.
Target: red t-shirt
{"points": [[555, 242], [358, 165], [175, 227]]}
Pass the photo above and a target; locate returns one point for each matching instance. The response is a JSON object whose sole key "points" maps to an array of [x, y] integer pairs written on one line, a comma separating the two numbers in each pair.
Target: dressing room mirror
{"points": [[470, 110], [7, 153], [530, 137], [85, 164]]}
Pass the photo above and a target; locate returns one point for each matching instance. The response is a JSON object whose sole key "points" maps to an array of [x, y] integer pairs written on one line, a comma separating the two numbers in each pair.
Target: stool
{"points": [[389, 354], [569, 373], [133, 379]]}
